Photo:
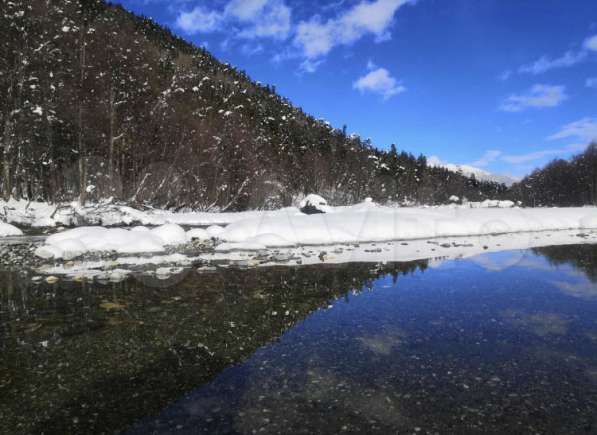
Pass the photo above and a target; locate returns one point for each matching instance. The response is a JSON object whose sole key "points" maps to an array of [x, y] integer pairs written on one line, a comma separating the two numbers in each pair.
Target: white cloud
{"points": [[274, 20], [591, 82], [584, 130], [199, 20], [313, 38], [381, 82], [251, 49], [316, 38], [366, 17], [591, 43], [245, 10], [544, 64], [489, 157], [505, 75], [257, 18], [539, 96], [310, 66], [529, 157], [568, 59], [518, 159]]}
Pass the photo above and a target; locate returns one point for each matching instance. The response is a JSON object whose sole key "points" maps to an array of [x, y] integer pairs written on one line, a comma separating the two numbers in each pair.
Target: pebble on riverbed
{"points": [[20, 255]]}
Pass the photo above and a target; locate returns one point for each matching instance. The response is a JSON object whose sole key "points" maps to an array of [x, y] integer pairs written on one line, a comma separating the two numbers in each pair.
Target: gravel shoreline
{"points": [[20, 254]]}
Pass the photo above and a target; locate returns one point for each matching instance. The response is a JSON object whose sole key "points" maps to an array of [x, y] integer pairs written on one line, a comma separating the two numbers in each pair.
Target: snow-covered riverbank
{"points": [[369, 222], [363, 232], [44, 215], [366, 222]]}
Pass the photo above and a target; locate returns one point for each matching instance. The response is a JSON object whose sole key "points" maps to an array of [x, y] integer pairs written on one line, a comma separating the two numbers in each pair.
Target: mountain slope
{"points": [[96, 102], [470, 171], [561, 183]]}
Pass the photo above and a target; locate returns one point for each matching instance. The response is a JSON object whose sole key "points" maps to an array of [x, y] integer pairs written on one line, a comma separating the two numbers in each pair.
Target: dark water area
{"points": [[500, 343]]}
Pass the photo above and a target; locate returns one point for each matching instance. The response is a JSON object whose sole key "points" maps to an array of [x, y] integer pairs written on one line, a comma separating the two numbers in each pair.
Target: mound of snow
{"points": [[74, 243], [215, 231], [313, 204], [9, 230], [198, 234], [171, 234], [492, 203]]}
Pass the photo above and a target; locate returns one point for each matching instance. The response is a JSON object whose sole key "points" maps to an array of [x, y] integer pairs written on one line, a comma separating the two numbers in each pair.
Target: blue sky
{"points": [[505, 85]]}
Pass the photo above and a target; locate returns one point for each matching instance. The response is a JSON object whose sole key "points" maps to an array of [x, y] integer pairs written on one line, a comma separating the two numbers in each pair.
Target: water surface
{"points": [[498, 343]]}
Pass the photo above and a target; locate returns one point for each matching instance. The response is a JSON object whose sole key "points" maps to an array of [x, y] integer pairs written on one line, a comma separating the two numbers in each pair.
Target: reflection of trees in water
{"points": [[581, 257], [88, 358]]}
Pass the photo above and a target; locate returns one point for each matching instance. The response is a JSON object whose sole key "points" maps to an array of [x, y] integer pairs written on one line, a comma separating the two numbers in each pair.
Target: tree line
{"points": [[561, 183]]}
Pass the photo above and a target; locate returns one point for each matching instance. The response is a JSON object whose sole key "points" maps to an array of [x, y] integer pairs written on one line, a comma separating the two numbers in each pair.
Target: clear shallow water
{"points": [[499, 343]]}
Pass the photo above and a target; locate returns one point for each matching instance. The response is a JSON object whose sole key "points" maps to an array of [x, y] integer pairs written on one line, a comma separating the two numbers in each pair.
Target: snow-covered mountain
{"points": [[480, 174]]}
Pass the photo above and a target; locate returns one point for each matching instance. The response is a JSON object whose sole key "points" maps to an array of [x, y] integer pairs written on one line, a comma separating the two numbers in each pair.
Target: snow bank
{"points": [[36, 214], [361, 223], [74, 243], [9, 230], [368, 222], [193, 219], [40, 215]]}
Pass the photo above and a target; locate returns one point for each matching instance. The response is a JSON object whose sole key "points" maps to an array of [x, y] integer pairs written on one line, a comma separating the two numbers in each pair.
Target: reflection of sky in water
{"points": [[502, 341]]}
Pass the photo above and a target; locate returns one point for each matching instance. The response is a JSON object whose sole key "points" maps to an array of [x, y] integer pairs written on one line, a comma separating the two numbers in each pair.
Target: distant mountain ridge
{"points": [[478, 173]]}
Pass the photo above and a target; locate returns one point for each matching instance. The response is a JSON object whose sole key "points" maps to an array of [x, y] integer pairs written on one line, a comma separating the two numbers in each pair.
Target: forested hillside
{"points": [[562, 183], [96, 102]]}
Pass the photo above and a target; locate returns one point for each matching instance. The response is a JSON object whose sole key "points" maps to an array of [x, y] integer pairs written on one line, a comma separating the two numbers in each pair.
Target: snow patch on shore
{"points": [[74, 243], [7, 230]]}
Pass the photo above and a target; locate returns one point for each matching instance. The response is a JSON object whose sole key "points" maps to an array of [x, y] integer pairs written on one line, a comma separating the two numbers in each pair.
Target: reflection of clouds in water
{"points": [[164, 277], [535, 263], [298, 394], [496, 262], [438, 263], [583, 290], [540, 263], [383, 344], [285, 403], [541, 324]]}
